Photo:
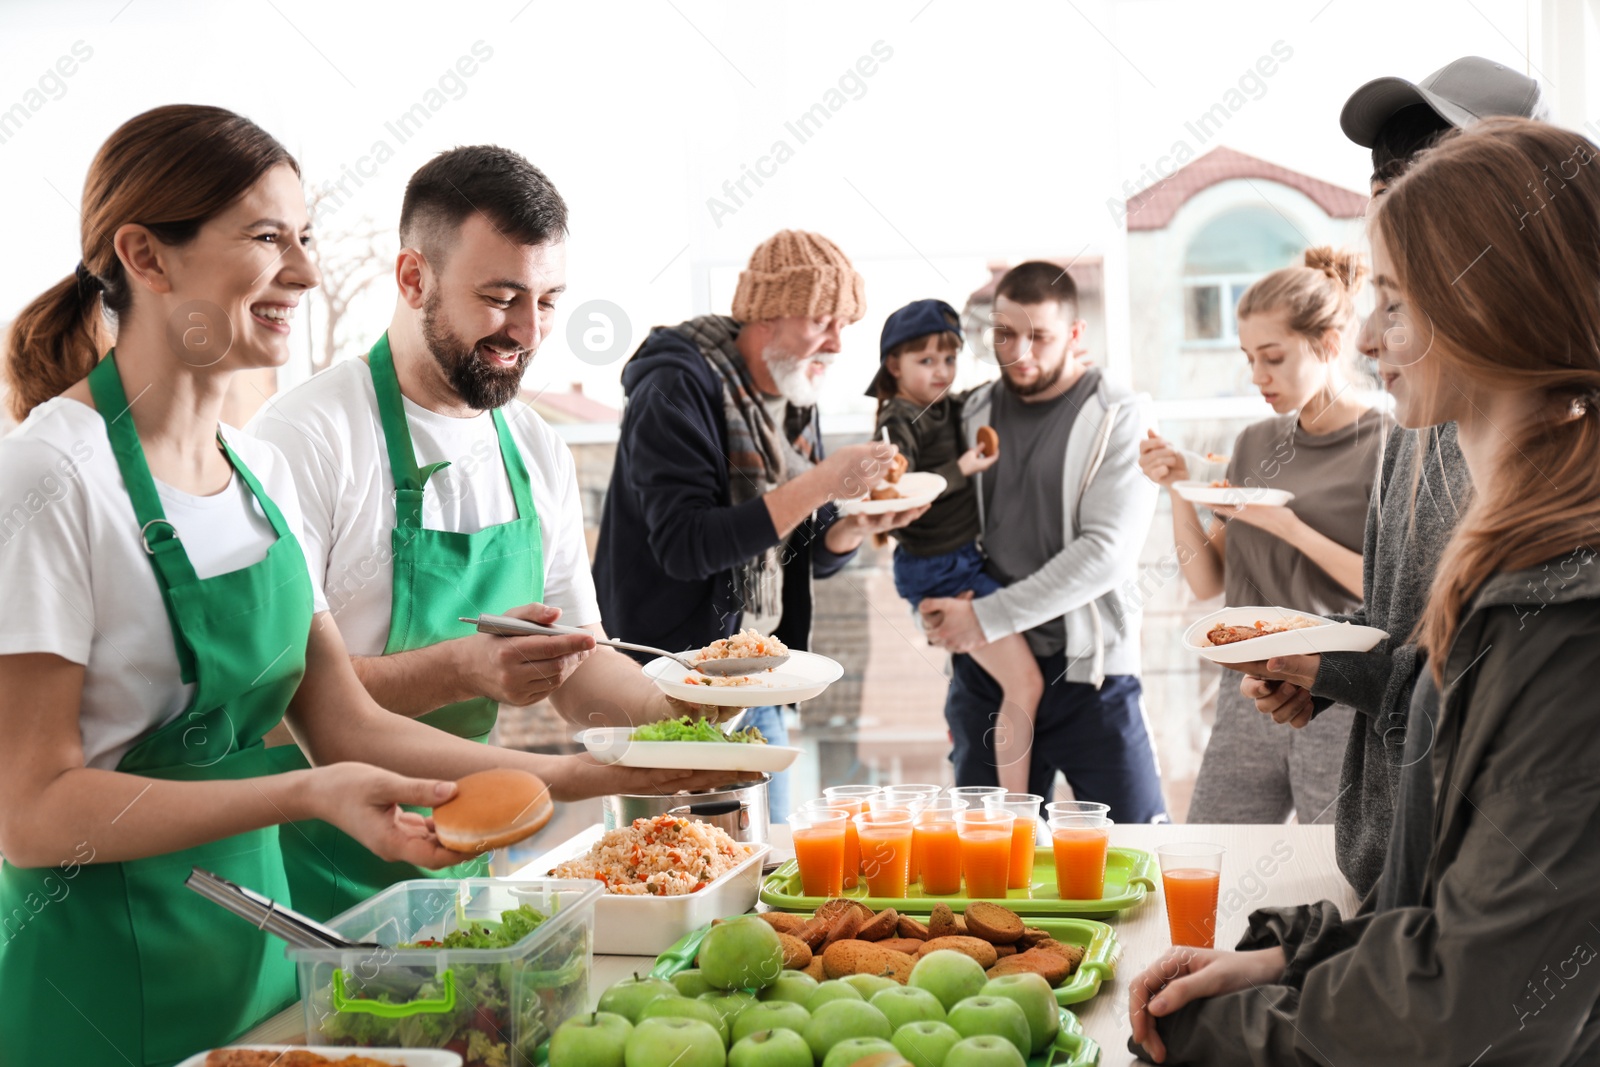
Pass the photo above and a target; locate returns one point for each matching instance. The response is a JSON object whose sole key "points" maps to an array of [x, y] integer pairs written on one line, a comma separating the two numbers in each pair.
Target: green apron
{"points": [[118, 963], [439, 576]]}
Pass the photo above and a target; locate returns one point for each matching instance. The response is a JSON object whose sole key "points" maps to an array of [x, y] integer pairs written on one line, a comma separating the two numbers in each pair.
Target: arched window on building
{"points": [[1230, 252]]}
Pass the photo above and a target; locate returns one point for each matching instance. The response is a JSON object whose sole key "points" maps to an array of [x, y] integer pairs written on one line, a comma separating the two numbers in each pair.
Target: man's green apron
{"points": [[113, 963], [439, 576]]}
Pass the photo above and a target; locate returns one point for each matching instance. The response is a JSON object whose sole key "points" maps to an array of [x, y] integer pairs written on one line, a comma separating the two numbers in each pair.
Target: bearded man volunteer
{"points": [[431, 495]]}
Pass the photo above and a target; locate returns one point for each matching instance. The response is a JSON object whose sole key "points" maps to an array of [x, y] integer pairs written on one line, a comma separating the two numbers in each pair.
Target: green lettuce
{"points": [[689, 728]]}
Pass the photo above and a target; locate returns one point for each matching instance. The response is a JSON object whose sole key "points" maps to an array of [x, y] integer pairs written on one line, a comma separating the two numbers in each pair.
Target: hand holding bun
{"points": [[492, 809], [988, 441]]}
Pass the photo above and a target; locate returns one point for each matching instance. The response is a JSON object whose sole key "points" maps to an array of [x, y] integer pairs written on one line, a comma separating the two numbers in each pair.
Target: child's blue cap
{"points": [[917, 319]]}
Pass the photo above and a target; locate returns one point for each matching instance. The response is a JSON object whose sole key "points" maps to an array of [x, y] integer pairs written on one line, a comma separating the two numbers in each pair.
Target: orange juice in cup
{"points": [[852, 800], [937, 846], [818, 835], [885, 837], [985, 837], [1079, 842], [1191, 875], [1024, 831], [912, 798]]}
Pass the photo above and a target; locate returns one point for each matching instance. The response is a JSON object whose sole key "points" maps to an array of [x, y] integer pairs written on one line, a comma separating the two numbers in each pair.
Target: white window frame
{"points": [[1230, 324]]}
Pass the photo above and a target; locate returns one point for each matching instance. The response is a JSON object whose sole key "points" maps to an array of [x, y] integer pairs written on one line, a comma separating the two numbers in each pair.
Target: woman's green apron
{"points": [[117, 962], [439, 576]]}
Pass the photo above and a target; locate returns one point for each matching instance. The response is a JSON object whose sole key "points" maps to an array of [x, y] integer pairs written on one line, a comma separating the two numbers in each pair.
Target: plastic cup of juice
{"points": [[885, 837], [1191, 874], [1076, 807], [818, 835], [852, 804], [897, 797], [985, 837], [938, 849], [1079, 842], [1024, 833]]}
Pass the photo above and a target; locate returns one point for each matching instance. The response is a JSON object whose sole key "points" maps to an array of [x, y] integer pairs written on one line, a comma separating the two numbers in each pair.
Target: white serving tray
{"points": [[400, 1057], [611, 744], [916, 489], [1232, 495], [644, 925], [1331, 637], [803, 677]]}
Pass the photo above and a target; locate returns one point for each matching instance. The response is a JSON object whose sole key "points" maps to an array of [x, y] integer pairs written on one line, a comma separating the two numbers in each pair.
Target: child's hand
{"points": [[972, 461]]}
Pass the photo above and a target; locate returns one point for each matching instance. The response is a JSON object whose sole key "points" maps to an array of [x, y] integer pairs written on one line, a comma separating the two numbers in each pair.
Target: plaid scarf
{"points": [[760, 458]]}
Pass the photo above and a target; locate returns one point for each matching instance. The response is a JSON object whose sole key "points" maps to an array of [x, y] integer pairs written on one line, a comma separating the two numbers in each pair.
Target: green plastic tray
{"points": [[1100, 954], [1130, 875]]}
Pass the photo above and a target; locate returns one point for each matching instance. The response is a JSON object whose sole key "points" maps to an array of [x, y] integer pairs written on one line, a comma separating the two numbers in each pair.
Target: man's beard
{"points": [[1045, 381], [789, 375], [479, 382]]}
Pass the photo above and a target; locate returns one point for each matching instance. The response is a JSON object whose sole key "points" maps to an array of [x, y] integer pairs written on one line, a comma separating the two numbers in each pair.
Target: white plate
{"points": [[1332, 637], [614, 745], [400, 1057], [804, 676], [643, 925], [1231, 495], [916, 489]]}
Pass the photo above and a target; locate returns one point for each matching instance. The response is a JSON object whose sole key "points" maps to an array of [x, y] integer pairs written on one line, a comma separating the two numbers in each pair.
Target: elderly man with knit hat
{"points": [[720, 514]]}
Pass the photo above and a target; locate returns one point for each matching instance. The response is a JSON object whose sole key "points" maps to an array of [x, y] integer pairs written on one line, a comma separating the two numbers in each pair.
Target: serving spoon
{"points": [[506, 626]]}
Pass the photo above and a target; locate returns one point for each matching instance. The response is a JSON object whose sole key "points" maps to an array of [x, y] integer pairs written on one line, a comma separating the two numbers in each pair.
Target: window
{"points": [[1224, 258]]}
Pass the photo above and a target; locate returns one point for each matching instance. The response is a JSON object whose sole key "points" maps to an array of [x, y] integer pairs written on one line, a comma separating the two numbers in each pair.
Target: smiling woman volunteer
{"points": [[160, 620]]}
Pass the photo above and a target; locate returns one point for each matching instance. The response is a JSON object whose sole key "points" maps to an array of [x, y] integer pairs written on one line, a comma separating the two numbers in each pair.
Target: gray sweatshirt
{"points": [[1423, 489]]}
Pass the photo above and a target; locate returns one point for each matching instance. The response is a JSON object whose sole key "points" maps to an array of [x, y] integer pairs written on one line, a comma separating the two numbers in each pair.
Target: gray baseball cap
{"points": [[1461, 93]]}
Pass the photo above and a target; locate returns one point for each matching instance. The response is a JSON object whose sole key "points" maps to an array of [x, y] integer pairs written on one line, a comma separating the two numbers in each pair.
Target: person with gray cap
{"points": [[1423, 489]]}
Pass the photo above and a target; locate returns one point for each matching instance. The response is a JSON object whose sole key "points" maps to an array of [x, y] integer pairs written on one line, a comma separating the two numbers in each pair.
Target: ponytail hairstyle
{"points": [[1318, 297], [170, 170], [1495, 239]]}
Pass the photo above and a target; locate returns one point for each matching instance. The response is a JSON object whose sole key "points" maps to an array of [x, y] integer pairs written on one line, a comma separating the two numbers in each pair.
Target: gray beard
{"points": [[789, 375]]}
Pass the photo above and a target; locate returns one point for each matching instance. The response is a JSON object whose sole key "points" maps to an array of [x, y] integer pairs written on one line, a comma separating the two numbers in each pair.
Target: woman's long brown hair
{"points": [[168, 169], [1495, 240]]}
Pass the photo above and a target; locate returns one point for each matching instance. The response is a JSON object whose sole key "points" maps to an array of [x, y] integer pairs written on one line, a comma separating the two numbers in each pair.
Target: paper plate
{"points": [[614, 745], [400, 1057], [916, 489], [1231, 495], [805, 676], [1329, 637]]}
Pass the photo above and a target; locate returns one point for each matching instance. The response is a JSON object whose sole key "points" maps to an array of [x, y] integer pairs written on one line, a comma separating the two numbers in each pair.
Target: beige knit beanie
{"points": [[795, 272]]}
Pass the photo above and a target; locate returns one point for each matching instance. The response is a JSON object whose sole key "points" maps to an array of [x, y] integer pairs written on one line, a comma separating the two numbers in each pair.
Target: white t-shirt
{"points": [[74, 577], [329, 429]]}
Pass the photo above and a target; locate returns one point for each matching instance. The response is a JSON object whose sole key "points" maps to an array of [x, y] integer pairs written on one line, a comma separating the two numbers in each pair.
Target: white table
{"points": [[1264, 865]]}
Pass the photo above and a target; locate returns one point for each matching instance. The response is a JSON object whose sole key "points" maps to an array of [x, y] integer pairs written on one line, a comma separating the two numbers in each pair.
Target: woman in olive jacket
{"points": [[1482, 947]]}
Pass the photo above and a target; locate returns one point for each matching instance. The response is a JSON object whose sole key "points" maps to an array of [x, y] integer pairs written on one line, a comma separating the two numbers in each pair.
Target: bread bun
{"points": [[988, 441], [897, 466], [492, 809]]}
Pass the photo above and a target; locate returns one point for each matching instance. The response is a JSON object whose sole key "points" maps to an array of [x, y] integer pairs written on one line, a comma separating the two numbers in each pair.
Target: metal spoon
{"points": [[505, 626]]}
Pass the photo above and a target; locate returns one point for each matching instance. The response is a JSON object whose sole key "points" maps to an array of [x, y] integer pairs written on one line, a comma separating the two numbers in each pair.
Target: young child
{"points": [[938, 555]]}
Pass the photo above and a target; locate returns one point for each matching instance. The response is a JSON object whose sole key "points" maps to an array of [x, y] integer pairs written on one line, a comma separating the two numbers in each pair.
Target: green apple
{"points": [[903, 1004], [948, 975], [691, 983], [680, 1042], [743, 953], [829, 991], [869, 984], [854, 1049], [628, 997], [684, 1008], [791, 986], [1032, 993], [729, 1004], [773, 1015], [995, 1017], [599, 1039], [926, 1043], [984, 1051], [770, 1048], [839, 1020]]}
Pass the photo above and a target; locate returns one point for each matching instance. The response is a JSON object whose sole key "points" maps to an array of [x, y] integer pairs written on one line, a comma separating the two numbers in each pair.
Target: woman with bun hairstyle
{"points": [[1324, 445], [160, 618], [1486, 956]]}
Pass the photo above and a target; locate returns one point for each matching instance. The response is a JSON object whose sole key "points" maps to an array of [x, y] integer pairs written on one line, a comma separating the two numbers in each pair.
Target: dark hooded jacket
{"points": [[669, 535], [1494, 959]]}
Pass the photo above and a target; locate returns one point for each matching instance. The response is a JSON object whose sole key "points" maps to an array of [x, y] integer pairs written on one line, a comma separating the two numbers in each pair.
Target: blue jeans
{"points": [[1095, 737], [919, 577], [769, 720]]}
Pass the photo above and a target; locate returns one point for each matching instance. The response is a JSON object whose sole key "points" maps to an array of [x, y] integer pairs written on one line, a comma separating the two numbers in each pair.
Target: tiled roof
{"points": [[1154, 208]]}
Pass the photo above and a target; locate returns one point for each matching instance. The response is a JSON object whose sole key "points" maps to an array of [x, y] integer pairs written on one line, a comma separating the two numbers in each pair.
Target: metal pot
{"points": [[741, 811]]}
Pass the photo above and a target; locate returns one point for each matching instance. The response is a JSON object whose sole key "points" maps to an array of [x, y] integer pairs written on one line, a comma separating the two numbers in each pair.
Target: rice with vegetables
{"points": [[743, 645], [665, 856]]}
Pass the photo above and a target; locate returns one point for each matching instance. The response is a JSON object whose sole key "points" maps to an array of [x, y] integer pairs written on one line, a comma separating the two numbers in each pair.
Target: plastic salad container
{"points": [[484, 967]]}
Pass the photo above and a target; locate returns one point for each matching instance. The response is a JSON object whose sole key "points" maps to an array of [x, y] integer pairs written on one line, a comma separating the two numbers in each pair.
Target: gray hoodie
{"points": [[1496, 958]]}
